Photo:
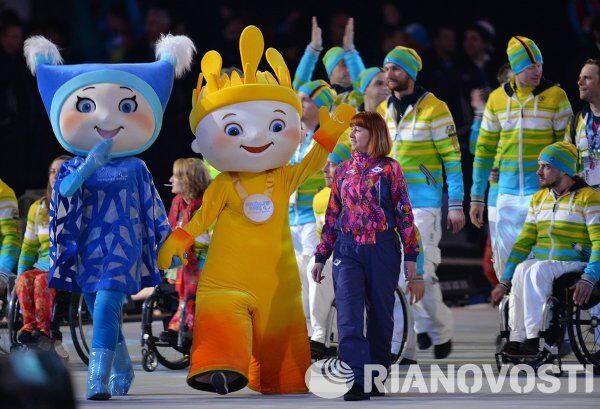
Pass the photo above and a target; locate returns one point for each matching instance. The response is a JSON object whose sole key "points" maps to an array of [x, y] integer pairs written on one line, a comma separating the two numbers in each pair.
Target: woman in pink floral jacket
{"points": [[368, 225]]}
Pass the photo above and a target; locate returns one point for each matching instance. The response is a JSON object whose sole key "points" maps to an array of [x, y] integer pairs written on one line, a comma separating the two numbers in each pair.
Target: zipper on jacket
{"points": [[550, 228], [521, 172], [521, 176]]}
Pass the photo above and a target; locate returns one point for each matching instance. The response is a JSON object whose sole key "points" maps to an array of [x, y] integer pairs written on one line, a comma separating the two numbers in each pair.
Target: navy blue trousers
{"points": [[366, 276]]}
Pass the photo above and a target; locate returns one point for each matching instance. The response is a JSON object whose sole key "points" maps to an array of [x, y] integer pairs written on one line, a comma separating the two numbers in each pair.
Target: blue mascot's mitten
{"points": [[101, 361], [98, 157], [121, 375]]}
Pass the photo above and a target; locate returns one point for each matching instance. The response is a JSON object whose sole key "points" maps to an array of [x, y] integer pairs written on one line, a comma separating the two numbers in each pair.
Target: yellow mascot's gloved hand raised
{"points": [[175, 246], [331, 127]]}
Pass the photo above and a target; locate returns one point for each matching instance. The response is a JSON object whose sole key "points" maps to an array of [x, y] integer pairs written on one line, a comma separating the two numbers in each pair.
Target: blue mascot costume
{"points": [[106, 218]]}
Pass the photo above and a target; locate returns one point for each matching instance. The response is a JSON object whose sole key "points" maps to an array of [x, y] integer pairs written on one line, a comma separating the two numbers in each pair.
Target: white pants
{"points": [[410, 350], [305, 241], [430, 314], [531, 287], [320, 300], [492, 221], [510, 217]]}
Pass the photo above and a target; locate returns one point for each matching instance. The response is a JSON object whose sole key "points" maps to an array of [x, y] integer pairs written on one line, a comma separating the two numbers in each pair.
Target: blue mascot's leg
{"points": [[121, 376], [106, 308]]}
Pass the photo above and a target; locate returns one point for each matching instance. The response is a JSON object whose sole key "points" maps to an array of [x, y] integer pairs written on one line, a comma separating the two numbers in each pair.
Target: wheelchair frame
{"points": [[549, 353], [406, 317], [567, 316], [152, 345], [73, 318]]}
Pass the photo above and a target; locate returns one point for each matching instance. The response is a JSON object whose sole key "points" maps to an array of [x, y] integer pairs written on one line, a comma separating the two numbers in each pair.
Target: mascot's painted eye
{"points": [[277, 125], [128, 105], [85, 105], [233, 129]]}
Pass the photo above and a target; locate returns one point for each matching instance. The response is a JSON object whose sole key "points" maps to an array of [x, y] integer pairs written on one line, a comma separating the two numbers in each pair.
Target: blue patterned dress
{"points": [[106, 236]]}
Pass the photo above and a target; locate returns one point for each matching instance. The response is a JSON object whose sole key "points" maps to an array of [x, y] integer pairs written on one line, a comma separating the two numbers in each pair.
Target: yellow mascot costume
{"points": [[250, 327]]}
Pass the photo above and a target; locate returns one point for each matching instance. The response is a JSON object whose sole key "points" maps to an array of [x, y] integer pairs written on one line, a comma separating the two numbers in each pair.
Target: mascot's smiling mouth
{"points": [[108, 134], [257, 149]]}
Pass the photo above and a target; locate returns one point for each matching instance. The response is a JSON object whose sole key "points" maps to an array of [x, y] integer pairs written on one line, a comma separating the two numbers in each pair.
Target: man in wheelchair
{"points": [[562, 232]]}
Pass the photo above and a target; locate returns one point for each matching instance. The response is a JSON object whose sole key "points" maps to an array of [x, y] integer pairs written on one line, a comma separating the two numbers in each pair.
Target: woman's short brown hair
{"points": [[193, 174], [380, 143]]}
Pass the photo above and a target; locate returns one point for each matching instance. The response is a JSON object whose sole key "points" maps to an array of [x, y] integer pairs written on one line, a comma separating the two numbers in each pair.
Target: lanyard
{"points": [[592, 136], [258, 207]]}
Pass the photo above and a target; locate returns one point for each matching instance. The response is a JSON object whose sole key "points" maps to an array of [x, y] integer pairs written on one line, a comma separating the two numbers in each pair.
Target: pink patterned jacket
{"points": [[368, 196]]}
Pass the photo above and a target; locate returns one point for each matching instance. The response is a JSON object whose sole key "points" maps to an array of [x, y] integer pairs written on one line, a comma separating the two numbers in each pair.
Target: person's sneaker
{"points": [[43, 341], [60, 350], [530, 348], [331, 352], [219, 381], [356, 393], [26, 337], [169, 336], [441, 351], [317, 350], [512, 348], [423, 341], [375, 392], [407, 362]]}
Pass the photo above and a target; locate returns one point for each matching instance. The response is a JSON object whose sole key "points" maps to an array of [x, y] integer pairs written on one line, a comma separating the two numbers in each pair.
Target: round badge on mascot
{"points": [[250, 327], [106, 217]]}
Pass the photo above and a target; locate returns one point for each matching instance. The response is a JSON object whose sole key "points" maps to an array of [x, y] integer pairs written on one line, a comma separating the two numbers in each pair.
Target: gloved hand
{"points": [[96, 158], [172, 251], [331, 127]]}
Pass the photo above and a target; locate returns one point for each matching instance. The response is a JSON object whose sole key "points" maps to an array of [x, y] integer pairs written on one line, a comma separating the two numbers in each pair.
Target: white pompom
{"points": [[179, 50], [40, 50]]}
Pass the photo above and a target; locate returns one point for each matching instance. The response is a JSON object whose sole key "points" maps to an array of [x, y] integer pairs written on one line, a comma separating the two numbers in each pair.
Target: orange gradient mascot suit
{"points": [[250, 327]]}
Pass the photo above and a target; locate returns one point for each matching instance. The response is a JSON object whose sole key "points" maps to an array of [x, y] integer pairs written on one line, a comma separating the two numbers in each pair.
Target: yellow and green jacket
{"points": [[10, 238], [301, 202], [425, 144], [36, 243], [565, 228], [523, 121]]}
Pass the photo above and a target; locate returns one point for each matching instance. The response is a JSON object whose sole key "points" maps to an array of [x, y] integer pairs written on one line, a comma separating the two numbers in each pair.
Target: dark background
{"points": [[124, 31]]}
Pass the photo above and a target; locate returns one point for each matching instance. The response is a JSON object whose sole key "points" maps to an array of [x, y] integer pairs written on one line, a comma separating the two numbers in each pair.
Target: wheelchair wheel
{"points": [[149, 361], [408, 323], [157, 311], [584, 334], [8, 325], [80, 324], [14, 320]]}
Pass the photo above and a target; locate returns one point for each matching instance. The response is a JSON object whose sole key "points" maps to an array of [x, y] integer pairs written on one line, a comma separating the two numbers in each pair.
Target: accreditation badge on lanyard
{"points": [[258, 207], [591, 163]]}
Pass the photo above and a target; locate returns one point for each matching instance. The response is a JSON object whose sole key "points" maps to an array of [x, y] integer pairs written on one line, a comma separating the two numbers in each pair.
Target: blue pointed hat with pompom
{"points": [[153, 80]]}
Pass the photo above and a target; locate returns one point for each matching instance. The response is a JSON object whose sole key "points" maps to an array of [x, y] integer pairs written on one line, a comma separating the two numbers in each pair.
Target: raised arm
{"points": [[309, 59]]}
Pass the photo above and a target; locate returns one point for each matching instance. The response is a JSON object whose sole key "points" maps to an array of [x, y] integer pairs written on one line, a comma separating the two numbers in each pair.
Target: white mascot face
{"points": [[249, 136], [103, 111]]}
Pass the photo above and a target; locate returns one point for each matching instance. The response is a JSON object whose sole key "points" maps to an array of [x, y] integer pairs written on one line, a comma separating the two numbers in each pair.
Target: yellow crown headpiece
{"points": [[221, 90]]}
